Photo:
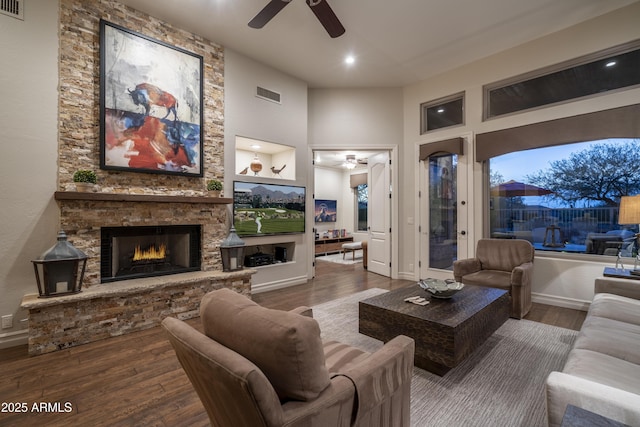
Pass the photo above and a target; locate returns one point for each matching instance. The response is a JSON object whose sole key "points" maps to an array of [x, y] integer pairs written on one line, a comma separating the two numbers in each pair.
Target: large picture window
{"points": [[566, 198]]}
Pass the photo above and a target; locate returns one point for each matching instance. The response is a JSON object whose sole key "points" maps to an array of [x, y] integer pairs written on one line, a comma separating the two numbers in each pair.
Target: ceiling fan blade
{"points": [[267, 14], [327, 18]]}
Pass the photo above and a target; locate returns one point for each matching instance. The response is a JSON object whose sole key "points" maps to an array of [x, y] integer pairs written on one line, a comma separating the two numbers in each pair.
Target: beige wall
{"points": [[284, 123], [358, 118], [564, 281], [368, 119], [28, 171]]}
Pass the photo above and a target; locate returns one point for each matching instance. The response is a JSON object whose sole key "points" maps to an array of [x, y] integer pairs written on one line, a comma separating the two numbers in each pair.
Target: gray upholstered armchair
{"points": [[501, 263], [255, 366]]}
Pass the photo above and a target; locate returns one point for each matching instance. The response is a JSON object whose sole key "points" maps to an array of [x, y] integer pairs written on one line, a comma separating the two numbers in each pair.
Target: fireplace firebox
{"points": [[134, 252]]}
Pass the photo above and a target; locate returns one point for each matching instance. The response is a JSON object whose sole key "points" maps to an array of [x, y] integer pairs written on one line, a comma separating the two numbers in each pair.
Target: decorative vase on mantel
{"points": [[85, 187]]}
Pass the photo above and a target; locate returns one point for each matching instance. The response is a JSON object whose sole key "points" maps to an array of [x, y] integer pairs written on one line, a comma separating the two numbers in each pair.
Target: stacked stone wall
{"points": [[79, 99], [117, 309], [79, 136], [82, 220], [106, 310]]}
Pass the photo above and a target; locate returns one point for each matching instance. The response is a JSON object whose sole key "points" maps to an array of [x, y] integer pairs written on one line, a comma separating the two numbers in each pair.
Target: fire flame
{"points": [[150, 254]]}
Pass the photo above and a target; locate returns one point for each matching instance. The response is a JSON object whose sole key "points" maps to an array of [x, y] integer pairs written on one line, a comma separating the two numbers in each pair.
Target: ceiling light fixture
{"points": [[351, 161], [349, 60]]}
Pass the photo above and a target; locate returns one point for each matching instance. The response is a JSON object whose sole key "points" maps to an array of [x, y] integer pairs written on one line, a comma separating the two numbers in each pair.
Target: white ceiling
{"points": [[336, 159], [395, 43]]}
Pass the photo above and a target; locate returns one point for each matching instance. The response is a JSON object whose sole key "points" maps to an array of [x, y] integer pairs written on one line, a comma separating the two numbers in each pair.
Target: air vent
{"points": [[13, 8], [269, 95]]}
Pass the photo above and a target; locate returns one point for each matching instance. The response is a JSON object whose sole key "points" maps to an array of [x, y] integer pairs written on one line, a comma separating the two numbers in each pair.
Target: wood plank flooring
{"points": [[136, 380]]}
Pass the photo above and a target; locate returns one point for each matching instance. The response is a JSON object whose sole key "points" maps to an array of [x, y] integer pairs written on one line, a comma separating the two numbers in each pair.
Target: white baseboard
{"points": [[406, 275], [278, 284], [14, 338], [564, 302]]}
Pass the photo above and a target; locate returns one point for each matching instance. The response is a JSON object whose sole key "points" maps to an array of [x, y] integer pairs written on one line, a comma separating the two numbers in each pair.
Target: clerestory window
{"points": [[601, 72]]}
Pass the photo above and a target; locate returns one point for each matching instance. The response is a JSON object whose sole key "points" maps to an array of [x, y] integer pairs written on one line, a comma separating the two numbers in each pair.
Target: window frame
{"points": [[558, 252], [357, 208], [562, 66], [437, 102]]}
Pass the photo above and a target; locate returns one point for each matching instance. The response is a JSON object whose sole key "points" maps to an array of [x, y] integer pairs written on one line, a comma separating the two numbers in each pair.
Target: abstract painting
{"points": [[151, 103]]}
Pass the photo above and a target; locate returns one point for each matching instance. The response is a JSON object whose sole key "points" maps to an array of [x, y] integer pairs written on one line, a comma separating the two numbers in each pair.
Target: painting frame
{"points": [[151, 105], [325, 210]]}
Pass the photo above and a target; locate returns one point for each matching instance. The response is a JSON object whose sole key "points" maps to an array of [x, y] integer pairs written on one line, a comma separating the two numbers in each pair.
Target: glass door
{"points": [[443, 224]]}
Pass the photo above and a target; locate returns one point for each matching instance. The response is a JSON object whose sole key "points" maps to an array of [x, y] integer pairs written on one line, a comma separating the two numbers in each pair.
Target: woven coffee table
{"points": [[445, 331]]}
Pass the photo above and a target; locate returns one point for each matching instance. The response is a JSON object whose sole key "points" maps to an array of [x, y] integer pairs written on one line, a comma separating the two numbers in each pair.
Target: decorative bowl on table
{"points": [[441, 288]]}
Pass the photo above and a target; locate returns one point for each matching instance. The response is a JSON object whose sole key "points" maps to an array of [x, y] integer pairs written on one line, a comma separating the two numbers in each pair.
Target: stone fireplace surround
{"points": [[102, 310], [124, 198], [135, 252]]}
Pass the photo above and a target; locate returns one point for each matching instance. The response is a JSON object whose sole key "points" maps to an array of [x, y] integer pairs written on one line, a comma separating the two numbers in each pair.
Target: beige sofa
{"points": [[602, 372], [255, 366]]}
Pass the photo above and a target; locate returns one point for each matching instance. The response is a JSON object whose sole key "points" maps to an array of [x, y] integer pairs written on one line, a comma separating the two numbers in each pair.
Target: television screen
{"points": [[268, 209]]}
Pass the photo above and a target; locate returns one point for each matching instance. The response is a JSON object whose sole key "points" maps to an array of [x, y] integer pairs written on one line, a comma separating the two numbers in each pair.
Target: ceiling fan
{"points": [[320, 8], [351, 161]]}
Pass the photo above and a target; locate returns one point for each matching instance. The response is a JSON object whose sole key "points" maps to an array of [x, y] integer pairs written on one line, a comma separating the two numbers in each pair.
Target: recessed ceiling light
{"points": [[349, 59], [610, 63]]}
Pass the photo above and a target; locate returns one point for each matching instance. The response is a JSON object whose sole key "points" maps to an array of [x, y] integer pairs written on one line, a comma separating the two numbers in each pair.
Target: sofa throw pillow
{"points": [[285, 346]]}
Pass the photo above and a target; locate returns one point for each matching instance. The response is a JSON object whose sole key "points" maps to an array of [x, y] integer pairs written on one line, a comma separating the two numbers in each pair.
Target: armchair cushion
{"points": [[462, 267], [498, 279], [495, 254], [286, 346]]}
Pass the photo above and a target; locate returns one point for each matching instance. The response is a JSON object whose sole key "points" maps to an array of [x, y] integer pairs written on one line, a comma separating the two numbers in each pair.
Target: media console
{"points": [[330, 245]]}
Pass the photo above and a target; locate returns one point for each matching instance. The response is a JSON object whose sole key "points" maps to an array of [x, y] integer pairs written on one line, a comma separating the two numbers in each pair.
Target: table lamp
{"points": [[630, 214]]}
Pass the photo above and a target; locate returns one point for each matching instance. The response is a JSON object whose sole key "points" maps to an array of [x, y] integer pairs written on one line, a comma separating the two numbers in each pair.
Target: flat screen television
{"points": [[268, 209]]}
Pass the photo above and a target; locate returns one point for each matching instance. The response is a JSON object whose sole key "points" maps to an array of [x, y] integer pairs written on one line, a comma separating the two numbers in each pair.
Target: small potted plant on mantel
{"points": [[85, 180], [215, 187]]}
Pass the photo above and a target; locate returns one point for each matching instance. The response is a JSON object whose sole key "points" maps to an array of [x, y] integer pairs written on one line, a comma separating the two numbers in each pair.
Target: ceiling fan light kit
{"points": [[350, 162], [320, 8]]}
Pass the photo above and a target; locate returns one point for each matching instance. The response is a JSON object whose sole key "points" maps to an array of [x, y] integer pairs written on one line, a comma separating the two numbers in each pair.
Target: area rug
{"points": [[337, 258], [500, 384]]}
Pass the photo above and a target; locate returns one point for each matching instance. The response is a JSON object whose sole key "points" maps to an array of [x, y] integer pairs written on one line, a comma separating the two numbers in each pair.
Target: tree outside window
{"points": [[574, 191], [362, 202]]}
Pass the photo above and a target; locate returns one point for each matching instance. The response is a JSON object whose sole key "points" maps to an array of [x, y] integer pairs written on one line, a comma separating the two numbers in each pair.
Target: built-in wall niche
{"points": [[264, 159], [269, 254]]}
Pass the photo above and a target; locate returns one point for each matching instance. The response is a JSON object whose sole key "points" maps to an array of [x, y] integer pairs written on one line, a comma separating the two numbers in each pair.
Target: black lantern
{"points": [[232, 250], [60, 270]]}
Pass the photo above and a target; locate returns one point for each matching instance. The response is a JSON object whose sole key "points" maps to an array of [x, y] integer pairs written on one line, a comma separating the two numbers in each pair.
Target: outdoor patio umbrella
{"points": [[517, 189]]}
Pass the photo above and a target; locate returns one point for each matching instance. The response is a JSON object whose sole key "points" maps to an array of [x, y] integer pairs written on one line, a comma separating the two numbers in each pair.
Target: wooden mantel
{"points": [[154, 198]]}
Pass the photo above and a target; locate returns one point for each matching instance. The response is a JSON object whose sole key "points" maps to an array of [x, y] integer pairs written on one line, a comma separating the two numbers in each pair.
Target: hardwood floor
{"points": [[136, 380]]}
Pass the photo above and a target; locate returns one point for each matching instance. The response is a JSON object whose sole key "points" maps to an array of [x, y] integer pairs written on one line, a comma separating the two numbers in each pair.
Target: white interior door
{"points": [[379, 214]]}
